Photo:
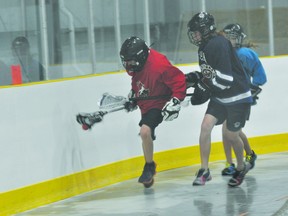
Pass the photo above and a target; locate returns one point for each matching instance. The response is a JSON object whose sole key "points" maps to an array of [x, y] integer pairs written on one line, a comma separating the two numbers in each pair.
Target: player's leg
{"points": [[244, 138], [230, 166], [147, 143], [236, 119], [237, 144], [203, 173], [148, 123], [149, 169], [215, 114], [250, 154], [205, 139]]}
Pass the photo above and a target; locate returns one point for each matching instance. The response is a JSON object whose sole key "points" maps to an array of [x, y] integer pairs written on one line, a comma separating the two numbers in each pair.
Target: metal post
{"points": [[91, 36], [71, 29], [146, 22], [271, 27], [71, 35], [203, 5], [44, 38], [23, 14], [117, 29]]}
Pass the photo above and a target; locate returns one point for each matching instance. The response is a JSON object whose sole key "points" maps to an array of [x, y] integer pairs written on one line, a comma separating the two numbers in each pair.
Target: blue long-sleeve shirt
{"points": [[252, 65]]}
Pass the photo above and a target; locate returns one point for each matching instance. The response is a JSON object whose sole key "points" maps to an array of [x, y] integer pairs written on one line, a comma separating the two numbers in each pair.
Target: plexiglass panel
{"points": [[68, 38]]}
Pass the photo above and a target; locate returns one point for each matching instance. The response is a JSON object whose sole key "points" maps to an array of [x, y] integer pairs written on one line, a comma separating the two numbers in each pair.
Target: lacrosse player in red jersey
{"points": [[152, 76]]}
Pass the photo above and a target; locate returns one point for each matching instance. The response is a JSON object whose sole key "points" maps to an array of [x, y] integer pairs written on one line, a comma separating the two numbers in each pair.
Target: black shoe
{"points": [[148, 173], [238, 176], [251, 158], [229, 170]]}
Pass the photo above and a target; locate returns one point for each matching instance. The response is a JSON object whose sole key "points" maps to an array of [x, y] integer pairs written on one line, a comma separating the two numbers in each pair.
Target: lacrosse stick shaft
{"points": [[115, 109], [156, 97], [151, 97]]}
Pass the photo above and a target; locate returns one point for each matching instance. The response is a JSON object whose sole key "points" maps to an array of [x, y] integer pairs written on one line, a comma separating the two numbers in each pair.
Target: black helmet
{"points": [[20, 42], [203, 23], [235, 32], [134, 49]]}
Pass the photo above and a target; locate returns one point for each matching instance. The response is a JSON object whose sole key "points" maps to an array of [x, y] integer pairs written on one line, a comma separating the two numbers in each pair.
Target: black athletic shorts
{"points": [[236, 114], [152, 119]]}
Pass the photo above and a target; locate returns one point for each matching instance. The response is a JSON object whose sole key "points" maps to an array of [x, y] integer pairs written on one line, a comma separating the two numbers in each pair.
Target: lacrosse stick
{"points": [[107, 104], [110, 103]]}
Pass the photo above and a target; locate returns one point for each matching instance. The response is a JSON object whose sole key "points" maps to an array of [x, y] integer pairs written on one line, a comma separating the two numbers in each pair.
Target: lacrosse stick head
{"points": [[110, 101]]}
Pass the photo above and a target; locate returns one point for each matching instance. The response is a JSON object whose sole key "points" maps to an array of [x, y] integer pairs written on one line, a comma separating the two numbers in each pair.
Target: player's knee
{"points": [[231, 136], [206, 128], [145, 132]]}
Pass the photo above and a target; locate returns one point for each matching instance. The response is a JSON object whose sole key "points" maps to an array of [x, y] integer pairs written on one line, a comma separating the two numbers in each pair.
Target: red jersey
{"points": [[157, 78]]}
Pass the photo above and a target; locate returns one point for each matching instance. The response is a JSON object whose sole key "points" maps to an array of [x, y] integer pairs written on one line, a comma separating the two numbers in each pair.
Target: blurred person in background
{"points": [[5, 75], [31, 69]]}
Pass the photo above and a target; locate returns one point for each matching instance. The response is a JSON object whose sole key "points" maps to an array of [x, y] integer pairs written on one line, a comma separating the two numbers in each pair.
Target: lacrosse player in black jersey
{"points": [[225, 82], [254, 68]]}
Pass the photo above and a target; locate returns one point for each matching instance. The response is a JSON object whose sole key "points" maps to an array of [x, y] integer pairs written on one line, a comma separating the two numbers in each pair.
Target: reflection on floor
{"points": [[263, 192]]}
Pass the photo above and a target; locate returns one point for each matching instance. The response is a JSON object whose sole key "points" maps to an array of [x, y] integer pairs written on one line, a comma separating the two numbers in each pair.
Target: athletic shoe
{"points": [[229, 170], [238, 176], [202, 177], [148, 173], [251, 158]]}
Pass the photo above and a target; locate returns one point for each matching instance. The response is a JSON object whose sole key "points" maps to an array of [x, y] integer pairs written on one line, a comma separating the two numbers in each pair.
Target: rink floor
{"points": [[263, 192]]}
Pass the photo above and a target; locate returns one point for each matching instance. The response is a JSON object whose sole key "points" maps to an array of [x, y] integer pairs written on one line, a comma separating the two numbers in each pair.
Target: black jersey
{"points": [[223, 72]]}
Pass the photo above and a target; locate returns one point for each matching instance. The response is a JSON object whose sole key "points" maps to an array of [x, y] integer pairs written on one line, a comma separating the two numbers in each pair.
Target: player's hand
{"points": [[171, 109], [131, 104], [193, 78], [255, 91], [89, 119], [201, 94]]}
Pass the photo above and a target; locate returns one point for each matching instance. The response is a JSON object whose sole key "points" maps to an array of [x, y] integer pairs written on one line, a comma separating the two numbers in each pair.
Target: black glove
{"points": [[201, 94], [193, 78], [255, 91], [171, 109], [89, 119], [131, 104]]}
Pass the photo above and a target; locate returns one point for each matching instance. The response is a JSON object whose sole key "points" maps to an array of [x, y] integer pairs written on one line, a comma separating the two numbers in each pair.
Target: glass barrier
{"points": [[52, 39]]}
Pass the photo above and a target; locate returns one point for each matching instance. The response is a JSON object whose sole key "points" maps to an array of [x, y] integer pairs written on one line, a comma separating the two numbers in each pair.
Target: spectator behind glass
{"points": [[5, 75], [31, 70]]}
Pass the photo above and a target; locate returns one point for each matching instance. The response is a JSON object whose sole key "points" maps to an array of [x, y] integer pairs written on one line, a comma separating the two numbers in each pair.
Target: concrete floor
{"points": [[263, 192]]}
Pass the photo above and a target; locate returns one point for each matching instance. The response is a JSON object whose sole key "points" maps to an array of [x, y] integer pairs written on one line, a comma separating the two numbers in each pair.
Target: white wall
{"points": [[40, 138]]}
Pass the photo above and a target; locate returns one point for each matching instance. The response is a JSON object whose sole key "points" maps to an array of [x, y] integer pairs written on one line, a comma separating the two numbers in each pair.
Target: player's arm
{"points": [[217, 72], [253, 66], [176, 81], [201, 94], [193, 78], [131, 104], [259, 76]]}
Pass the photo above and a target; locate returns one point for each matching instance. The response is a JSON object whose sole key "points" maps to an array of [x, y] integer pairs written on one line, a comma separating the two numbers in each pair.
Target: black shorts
{"points": [[152, 119], [236, 115]]}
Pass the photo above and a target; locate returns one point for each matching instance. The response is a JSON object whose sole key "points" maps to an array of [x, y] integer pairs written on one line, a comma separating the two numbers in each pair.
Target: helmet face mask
{"points": [[195, 37], [134, 53], [130, 65], [203, 23], [234, 33]]}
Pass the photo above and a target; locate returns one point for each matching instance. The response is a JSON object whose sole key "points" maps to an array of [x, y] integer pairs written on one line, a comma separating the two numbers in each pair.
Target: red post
{"points": [[16, 74]]}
